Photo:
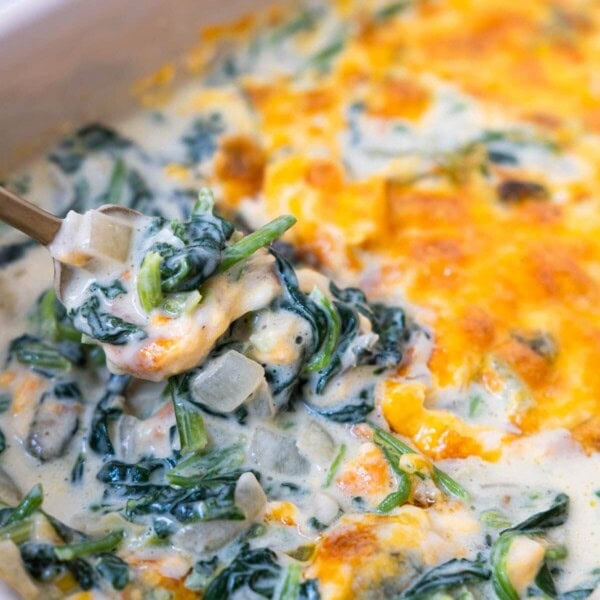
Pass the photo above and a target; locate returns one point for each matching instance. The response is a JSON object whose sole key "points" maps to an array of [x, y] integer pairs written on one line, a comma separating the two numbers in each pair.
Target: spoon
{"points": [[76, 242]]}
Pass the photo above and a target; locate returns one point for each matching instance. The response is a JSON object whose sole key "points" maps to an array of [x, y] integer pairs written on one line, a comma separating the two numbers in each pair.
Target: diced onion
{"points": [[316, 444], [91, 235], [139, 437], [108, 236], [277, 452], [249, 496], [325, 508], [261, 403], [227, 382]]}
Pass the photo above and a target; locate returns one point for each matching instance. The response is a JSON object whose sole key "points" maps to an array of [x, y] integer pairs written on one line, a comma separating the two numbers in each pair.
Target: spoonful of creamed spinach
{"points": [[133, 281]]}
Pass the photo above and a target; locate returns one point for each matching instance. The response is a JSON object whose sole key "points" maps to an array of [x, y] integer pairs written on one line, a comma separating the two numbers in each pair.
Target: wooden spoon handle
{"points": [[28, 218]]}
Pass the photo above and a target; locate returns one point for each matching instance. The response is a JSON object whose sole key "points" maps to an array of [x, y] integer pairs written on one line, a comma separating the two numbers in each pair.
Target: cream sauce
{"points": [[293, 450]]}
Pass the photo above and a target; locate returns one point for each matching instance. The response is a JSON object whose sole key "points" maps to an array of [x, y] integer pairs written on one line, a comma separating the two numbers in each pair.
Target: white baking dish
{"points": [[67, 62]]}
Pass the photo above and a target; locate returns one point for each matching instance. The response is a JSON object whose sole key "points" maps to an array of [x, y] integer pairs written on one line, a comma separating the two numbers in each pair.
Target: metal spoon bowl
{"points": [[43, 227]]}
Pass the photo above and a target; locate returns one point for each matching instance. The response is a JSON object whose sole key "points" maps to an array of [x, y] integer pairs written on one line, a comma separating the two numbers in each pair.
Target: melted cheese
{"points": [[384, 153]]}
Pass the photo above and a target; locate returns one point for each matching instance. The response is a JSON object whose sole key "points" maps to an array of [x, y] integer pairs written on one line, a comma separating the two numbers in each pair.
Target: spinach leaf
{"points": [[457, 571], [295, 301], [140, 194], [116, 185], [12, 252], [389, 323], [205, 486], [108, 409], [354, 297], [554, 516], [192, 433], [323, 58], [78, 469], [71, 152], [40, 561], [163, 527], [208, 466], [335, 465], [67, 390], [43, 563], [75, 352], [114, 569], [110, 291], [501, 157], [349, 327], [324, 355], [393, 448], [201, 141], [544, 584], [257, 570], [315, 524], [5, 401], [30, 503], [498, 559], [392, 9], [65, 533], [16, 524], [583, 590], [204, 502], [306, 20], [39, 356], [577, 594], [83, 573], [52, 323], [290, 588], [218, 506], [249, 244], [104, 326], [201, 574], [354, 410], [309, 590], [334, 327], [400, 496], [89, 546], [203, 237], [148, 282], [116, 471]]}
